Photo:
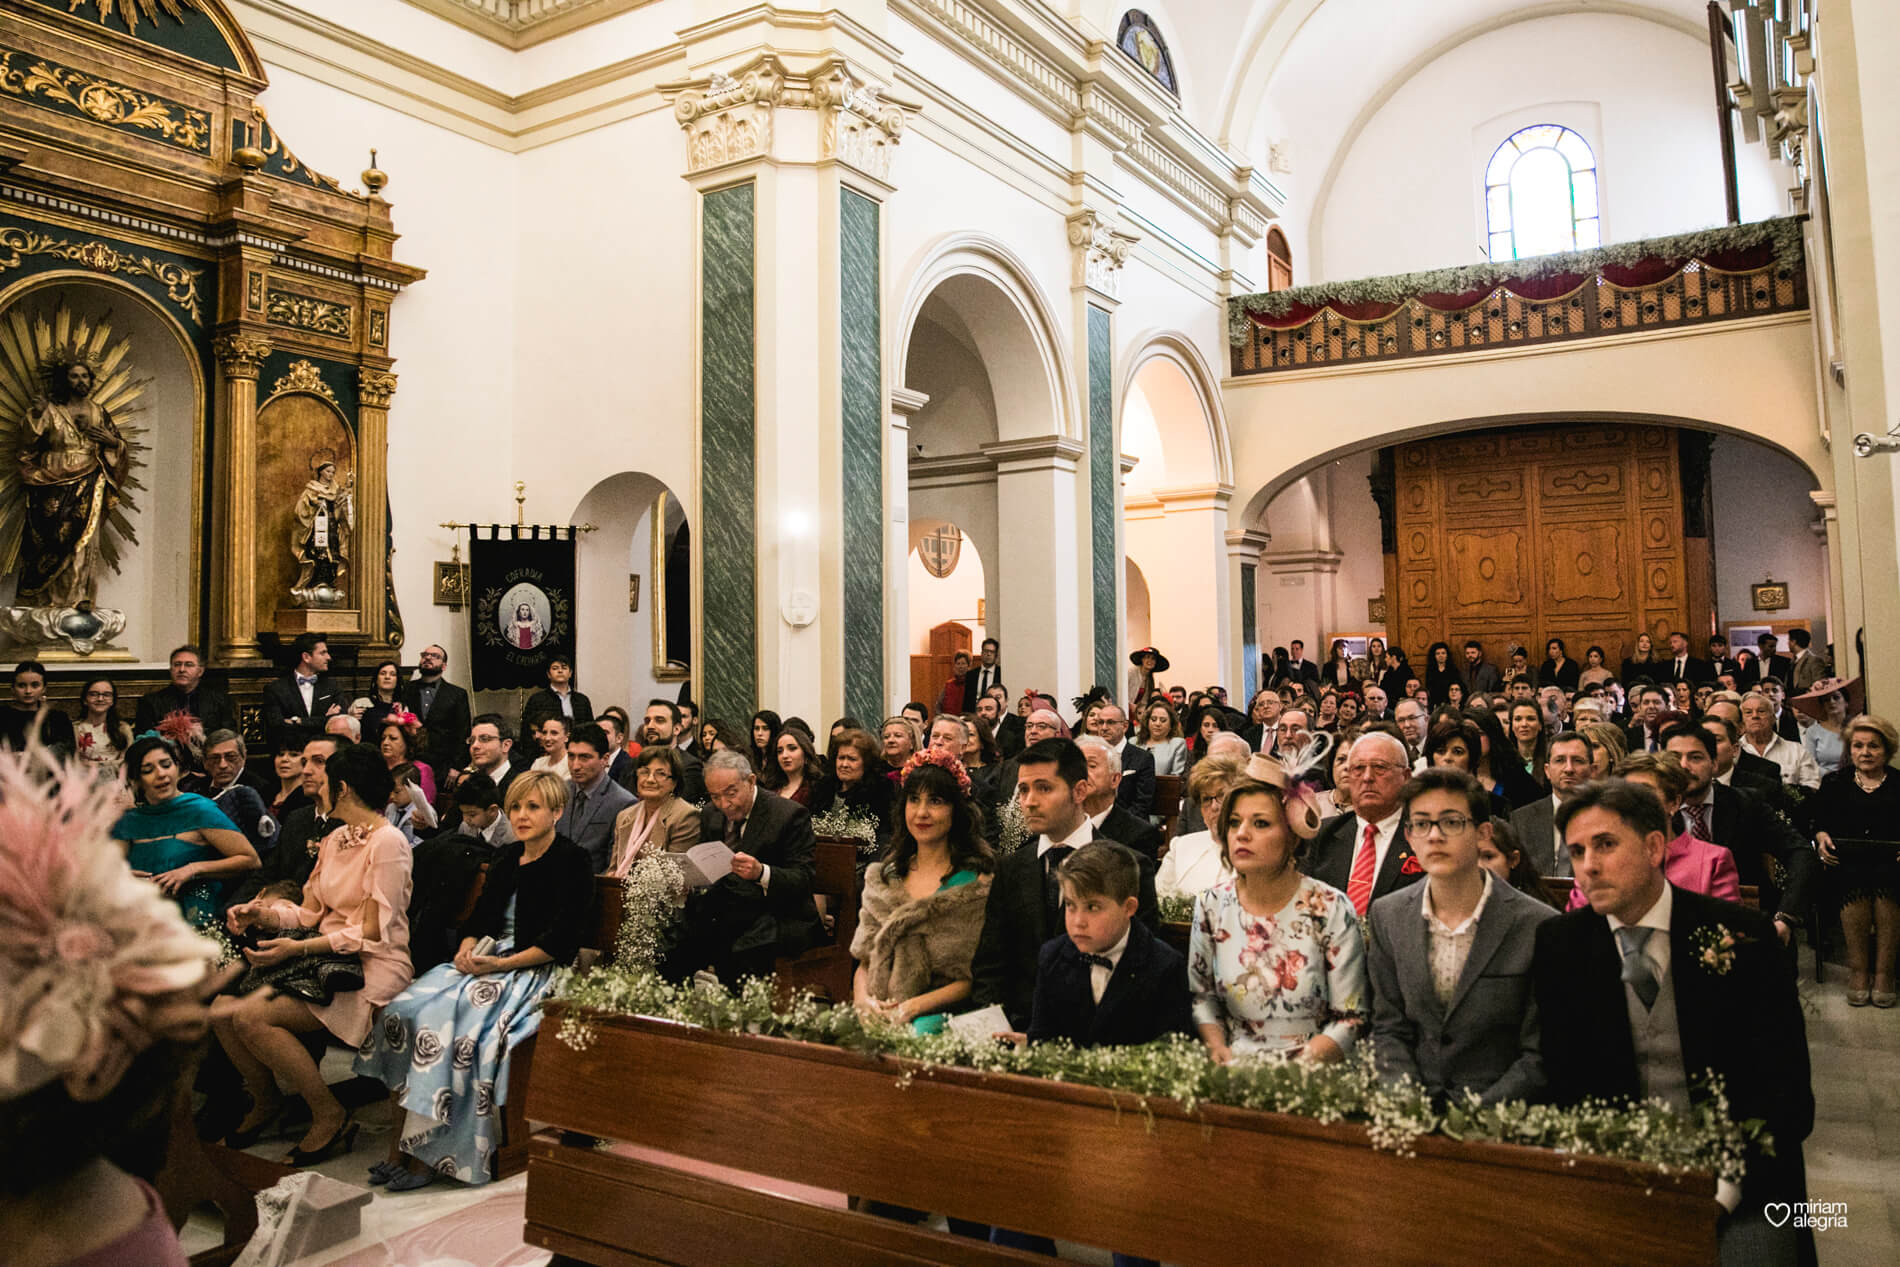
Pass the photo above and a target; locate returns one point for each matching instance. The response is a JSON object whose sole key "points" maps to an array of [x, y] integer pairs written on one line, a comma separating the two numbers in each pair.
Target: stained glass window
{"points": [[1540, 194]]}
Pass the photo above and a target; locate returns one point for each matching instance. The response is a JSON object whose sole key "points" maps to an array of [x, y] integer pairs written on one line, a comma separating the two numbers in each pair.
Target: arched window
{"points": [[1540, 194], [1279, 260], [1142, 40]]}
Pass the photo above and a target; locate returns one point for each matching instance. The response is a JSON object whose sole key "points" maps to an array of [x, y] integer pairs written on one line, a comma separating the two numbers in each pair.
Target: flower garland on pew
{"points": [[1782, 234], [1395, 1114]]}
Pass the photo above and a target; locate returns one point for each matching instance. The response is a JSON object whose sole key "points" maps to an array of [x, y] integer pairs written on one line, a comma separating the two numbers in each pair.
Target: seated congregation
{"points": [[1553, 888]]}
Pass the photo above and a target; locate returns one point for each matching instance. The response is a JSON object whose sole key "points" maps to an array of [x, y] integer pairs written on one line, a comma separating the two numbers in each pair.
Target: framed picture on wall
{"points": [[1355, 644]]}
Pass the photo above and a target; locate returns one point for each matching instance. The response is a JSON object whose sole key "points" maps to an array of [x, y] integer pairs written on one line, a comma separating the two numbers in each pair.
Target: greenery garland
{"points": [[1395, 1114], [1783, 233]]}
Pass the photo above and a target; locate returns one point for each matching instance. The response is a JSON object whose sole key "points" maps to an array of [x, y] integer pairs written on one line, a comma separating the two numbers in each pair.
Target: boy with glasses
{"points": [[1450, 959]]}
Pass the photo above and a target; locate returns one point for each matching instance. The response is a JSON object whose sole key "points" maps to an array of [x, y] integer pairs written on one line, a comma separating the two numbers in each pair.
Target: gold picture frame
{"points": [[1769, 596], [451, 585], [664, 669]]}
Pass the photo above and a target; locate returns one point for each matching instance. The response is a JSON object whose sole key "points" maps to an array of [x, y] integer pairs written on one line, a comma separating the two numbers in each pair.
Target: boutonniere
{"points": [[1409, 865], [1715, 947]]}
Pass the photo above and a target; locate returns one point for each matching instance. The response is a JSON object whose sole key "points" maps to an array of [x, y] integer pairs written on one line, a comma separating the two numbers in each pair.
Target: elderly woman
{"points": [[923, 904], [327, 964], [1861, 801], [856, 784], [1454, 742], [1688, 863], [399, 739], [179, 839], [660, 822], [442, 1046], [1194, 862], [902, 738], [1276, 962]]}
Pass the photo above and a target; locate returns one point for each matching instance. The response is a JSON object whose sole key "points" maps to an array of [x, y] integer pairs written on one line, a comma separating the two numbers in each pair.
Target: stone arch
{"points": [[1180, 352], [619, 659]]}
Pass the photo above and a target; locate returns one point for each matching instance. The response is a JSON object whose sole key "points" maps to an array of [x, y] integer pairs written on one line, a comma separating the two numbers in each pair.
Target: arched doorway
{"points": [[633, 577], [948, 602], [1140, 611]]}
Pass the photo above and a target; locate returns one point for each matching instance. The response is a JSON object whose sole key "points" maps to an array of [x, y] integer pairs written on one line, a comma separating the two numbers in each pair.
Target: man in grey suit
{"points": [[1450, 959], [1566, 768], [594, 801], [1481, 677]]}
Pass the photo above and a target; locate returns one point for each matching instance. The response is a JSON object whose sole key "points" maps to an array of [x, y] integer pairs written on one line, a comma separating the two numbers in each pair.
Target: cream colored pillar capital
{"points": [[1246, 544], [1099, 249]]}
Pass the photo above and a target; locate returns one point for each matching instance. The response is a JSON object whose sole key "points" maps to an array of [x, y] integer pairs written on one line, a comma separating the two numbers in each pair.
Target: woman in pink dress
{"points": [[1690, 864], [355, 908]]}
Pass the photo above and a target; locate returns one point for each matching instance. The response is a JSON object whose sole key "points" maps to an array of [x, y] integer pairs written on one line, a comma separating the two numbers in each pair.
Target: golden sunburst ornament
{"points": [[132, 10]]}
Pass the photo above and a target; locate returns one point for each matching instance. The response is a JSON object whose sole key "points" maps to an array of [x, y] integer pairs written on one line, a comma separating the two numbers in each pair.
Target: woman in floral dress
{"points": [[442, 1047], [1276, 961]]}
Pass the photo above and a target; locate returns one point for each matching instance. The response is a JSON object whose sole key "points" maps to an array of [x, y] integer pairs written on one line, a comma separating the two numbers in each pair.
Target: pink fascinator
{"points": [[1297, 778], [944, 760], [404, 718], [92, 958]]}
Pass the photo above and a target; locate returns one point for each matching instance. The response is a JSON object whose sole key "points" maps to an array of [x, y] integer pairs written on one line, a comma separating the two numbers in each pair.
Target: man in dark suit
{"points": [[1681, 666], [1566, 768], [1631, 1005], [1768, 664], [295, 854], [302, 697], [1481, 675], [490, 752], [187, 693], [1720, 661], [443, 870], [1463, 1035], [557, 699], [1650, 704], [1110, 819], [1297, 667], [1135, 793], [443, 708], [1748, 828], [762, 910], [659, 726], [1024, 908], [987, 673], [594, 801], [1106, 980], [1365, 853], [1743, 771]]}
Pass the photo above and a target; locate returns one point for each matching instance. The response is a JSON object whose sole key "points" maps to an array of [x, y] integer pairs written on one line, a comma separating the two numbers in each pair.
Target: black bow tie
{"points": [[1099, 961]]}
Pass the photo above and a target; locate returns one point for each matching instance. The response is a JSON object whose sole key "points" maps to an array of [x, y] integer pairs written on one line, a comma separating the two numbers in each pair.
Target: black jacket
{"points": [[1744, 1024], [1136, 792], [447, 723], [1147, 995], [283, 706], [1328, 857], [1135, 832], [544, 704], [442, 870], [210, 706], [1751, 829], [292, 858], [783, 918]]}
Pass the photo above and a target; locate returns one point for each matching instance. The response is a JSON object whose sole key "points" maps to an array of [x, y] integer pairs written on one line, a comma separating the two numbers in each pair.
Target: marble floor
{"points": [[1853, 1159]]}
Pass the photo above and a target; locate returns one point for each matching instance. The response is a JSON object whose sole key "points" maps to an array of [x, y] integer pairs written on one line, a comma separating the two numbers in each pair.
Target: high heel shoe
{"points": [[243, 1137], [341, 1142]]}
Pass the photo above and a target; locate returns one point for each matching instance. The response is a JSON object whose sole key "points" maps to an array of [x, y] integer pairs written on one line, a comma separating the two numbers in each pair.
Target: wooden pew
{"points": [[1073, 1162], [827, 970], [1169, 788]]}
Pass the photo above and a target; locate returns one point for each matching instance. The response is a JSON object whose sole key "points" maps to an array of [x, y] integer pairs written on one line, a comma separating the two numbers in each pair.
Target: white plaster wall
{"points": [[614, 646], [452, 422], [971, 506], [1355, 524], [1404, 199], [1761, 529], [954, 597]]}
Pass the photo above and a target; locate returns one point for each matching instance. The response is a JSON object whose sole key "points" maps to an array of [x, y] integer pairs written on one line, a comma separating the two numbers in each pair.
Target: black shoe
{"points": [[341, 1142]]}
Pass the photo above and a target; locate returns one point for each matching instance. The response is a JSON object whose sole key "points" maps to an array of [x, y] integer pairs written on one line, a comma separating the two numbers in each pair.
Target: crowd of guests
{"points": [[1364, 856]]}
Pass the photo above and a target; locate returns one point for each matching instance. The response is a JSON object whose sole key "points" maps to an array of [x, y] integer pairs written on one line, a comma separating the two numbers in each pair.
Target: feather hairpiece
{"points": [[1297, 778]]}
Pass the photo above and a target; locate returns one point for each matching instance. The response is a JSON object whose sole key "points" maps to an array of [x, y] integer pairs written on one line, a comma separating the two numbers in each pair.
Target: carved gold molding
{"points": [[132, 10], [1100, 250], [305, 312], [728, 118], [47, 83], [375, 387], [240, 355], [304, 376], [180, 283]]}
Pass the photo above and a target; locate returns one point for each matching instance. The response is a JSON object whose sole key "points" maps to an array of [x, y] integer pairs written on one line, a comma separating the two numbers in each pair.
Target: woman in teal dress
{"points": [[179, 839], [923, 904]]}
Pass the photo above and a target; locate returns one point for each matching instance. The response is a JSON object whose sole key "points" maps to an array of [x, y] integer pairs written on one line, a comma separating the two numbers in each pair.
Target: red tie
{"points": [[1359, 886]]}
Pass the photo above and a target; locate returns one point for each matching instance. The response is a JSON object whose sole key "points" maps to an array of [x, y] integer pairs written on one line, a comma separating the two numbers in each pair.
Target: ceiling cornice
{"points": [[519, 24]]}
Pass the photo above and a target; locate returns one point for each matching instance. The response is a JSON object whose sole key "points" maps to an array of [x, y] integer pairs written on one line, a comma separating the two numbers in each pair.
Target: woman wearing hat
{"points": [[1825, 708], [1141, 678]]}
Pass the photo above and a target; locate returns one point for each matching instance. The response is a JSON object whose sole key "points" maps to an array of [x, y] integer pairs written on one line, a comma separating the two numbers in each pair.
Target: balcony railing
{"points": [[1748, 270]]}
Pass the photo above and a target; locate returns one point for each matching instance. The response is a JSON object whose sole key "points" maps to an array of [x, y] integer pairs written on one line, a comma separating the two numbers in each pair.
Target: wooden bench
{"points": [[1077, 1163], [1169, 789], [827, 970]]}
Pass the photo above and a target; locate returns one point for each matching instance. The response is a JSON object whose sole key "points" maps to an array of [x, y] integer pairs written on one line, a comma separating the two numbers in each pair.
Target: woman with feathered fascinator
{"points": [[99, 980]]}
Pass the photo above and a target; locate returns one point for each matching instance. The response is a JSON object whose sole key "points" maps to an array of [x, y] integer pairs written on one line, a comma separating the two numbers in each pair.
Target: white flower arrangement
{"points": [[844, 822], [652, 897]]}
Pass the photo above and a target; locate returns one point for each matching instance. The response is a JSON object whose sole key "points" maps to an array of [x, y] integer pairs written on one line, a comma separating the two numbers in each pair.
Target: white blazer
{"points": [[1192, 866]]}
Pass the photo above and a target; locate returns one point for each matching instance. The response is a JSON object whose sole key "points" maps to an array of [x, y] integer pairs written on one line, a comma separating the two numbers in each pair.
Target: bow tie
{"points": [[1098, 961], [305, 681]]}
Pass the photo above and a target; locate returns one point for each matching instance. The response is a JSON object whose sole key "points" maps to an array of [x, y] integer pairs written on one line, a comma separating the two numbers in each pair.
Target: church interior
{"points": [[828, 344]]}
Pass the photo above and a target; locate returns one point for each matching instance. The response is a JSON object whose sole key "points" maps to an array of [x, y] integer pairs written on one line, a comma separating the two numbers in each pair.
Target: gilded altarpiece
{"points": [[1519, 536], [133, 153]]}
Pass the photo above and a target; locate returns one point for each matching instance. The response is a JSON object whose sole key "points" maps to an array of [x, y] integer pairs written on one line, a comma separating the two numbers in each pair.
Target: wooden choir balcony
{"points": [[1743, 271]]}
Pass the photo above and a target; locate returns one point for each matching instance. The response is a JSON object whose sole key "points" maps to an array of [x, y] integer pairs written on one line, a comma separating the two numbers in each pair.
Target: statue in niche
{"points": [[67, 463], [320, 542]]}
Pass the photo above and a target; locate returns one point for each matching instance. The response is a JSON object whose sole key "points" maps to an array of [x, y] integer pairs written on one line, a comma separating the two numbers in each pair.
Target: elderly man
{"points": [[1412, 717], [1135, 792], [1296, 727], [240, 799], [1263, 722], [187, 693], [1759, 738], [1365, 853], [1110, 819], [1376, 700], [762, 909], [1567, 767]]}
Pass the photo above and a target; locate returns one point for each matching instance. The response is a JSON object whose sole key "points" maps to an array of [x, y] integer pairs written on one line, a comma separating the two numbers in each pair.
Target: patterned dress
{"points": [[1273, 982], [443, 1048]]}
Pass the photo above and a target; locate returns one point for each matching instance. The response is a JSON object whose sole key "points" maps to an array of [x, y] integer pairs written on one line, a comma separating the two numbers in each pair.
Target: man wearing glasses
{"points": [[1365, 852], [1450, 959]]}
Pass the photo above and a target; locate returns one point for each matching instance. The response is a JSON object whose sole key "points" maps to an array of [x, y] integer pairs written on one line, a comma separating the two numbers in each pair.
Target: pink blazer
{"points": [[1695, 865]]}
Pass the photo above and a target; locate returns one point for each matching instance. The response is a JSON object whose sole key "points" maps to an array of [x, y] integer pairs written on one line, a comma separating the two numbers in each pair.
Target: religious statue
{"points": [[67, 462], [320, 542]]}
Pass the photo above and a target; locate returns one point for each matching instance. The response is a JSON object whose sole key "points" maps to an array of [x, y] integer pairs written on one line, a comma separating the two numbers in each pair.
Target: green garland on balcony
{"points": [[1395, 1114], [1784, 233]]}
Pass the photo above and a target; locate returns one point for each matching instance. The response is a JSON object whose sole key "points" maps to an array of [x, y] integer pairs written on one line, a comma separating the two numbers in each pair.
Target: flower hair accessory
{"points": [[402, 717], [942, 759], [93, 960], [181, 728], [1298, 782]]}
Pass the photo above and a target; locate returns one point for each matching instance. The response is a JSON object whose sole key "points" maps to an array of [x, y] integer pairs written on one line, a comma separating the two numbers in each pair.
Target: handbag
{"points": [[313, 978]]}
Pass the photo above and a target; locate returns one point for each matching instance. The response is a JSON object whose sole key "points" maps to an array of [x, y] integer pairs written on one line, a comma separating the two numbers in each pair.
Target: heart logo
{"points": [[1777, 1212]]}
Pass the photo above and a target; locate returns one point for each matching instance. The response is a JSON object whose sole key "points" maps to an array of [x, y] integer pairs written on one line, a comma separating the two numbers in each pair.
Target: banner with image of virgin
{"points": [[522, 580]]}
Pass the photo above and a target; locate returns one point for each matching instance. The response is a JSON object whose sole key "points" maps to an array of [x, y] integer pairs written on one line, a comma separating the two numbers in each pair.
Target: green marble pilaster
{"points": [[728, 458], [862, 393], [1103, 465], [1249, 635]]}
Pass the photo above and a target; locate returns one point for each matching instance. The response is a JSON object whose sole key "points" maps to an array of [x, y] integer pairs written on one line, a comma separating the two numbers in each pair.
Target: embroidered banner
{"points": [[523, 615]]}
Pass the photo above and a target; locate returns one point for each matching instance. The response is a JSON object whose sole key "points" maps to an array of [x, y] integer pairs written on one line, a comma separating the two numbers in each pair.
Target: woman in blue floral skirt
{"points": [[442, 1046]]}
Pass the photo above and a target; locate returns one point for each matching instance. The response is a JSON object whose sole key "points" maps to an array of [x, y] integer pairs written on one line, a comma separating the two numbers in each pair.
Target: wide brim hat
{"points": [[1161, 661], [1811, 701]]}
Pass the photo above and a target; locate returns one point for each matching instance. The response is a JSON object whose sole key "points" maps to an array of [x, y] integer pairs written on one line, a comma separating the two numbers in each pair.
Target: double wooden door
{"points": [[1524, 535]]}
